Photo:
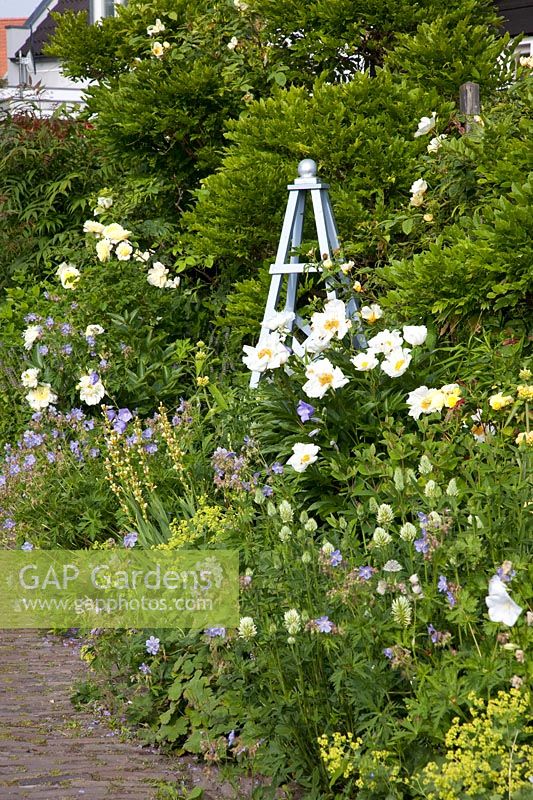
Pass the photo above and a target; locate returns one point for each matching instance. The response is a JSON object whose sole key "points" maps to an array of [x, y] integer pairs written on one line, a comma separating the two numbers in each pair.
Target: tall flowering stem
{"points": [[123, 465], [170, 436]]}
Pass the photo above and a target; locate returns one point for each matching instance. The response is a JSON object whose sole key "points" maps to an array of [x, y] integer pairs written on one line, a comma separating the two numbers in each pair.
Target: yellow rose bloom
{"points": [[103, 249]]}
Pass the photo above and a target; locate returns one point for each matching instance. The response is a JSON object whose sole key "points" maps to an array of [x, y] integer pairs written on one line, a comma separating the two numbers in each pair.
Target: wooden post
{"points": [[469, 102]]}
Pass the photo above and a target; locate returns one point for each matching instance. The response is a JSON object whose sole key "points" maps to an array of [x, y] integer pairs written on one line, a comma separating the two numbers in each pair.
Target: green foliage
{"points": [[47, 169], [371, 121], [477, 266], [431, 56]]}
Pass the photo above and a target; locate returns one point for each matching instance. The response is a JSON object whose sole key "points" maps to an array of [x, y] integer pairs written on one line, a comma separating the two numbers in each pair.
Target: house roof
{"points": [[518, 16], [41, 35]]}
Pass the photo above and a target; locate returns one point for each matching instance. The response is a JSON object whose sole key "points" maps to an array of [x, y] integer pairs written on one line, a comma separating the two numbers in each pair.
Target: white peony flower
{"points": [[31, 334], [158, 275], [103, 250], [91, 226], [240, 5], [502, 608], [158, 49], [385, 341], [115, 233], [425, 401], [281, 321], [105, 202], [29, 378], [41, 397], [91, 389], [123, 251], [365, 361], [322, 375], [303, 456], [269, 353], [415, 334], [436, 143], [233, 43], [331, 322], [93, 330], [371, 313], [68, 275], [396, 362], [314, 345], [425, 125]]}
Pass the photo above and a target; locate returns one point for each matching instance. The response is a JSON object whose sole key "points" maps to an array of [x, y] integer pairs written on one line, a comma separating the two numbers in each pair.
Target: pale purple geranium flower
{"points": [[324, 624], [442, 586], [27, 546], [335, 558], [145, 669], [365, 573], [152, 645], [216, 630], [130, 539], [305, 411]]}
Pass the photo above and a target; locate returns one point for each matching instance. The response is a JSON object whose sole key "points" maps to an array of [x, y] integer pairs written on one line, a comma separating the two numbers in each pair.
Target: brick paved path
{"points": [[48, 751]]}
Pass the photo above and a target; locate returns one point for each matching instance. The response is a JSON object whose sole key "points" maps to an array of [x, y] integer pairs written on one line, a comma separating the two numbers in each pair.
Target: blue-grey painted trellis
{"points": [[307, 183]]}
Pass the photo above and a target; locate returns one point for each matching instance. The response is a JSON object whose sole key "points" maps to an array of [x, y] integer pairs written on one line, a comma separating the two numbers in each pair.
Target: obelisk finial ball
{"points": [[307, 168]]}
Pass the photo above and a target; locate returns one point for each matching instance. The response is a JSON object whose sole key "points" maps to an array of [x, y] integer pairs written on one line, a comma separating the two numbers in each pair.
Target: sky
{"points": [[17, 8]]}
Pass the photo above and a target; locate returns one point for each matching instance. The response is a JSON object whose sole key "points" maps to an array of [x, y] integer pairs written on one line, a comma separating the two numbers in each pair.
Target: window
{"points": [[104, 8]]}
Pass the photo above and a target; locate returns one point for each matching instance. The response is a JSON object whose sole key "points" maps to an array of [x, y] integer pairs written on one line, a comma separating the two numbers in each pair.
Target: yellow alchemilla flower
{"points": [[499, 401]]}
